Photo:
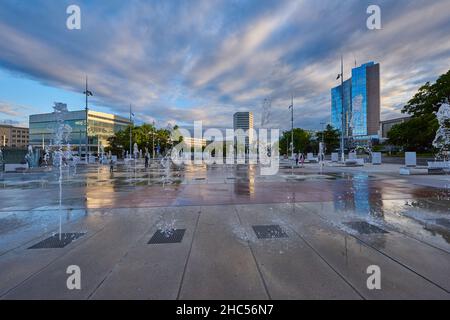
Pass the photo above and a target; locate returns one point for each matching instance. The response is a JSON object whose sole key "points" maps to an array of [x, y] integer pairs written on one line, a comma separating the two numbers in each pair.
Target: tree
{"points": [[302, 141], [429, 98], [418, 133], [331, 138], [143, 136]]}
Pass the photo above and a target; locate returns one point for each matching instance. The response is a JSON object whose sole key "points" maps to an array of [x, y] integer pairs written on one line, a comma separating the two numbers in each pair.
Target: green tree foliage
{"points": [[418, 133], [331, 138], [305, 142], [429, 97], [302, 141], [141, 135]]}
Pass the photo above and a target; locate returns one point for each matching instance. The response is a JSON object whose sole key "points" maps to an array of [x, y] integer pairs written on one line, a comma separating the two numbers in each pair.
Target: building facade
{"points": [[14, 137], [336, 106], [361, 103], [244, 121], [386, 126], [100, 126], [195, 142]]}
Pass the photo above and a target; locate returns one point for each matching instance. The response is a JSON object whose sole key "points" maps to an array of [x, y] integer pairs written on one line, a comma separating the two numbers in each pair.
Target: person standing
{"points": [[302, 159], [146, 160]]}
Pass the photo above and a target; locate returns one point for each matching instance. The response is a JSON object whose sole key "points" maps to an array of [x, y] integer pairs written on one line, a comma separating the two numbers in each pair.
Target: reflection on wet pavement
{"points": [[385, 214]]}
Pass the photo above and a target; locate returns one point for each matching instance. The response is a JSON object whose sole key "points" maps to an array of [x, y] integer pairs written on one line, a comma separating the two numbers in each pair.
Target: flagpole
{"points": [[131, 124], [87, 136], [292, 130], [342, 113]]}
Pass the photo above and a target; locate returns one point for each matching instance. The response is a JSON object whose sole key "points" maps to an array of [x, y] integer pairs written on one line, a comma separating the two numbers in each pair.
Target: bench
{"points": [[438, 167]]}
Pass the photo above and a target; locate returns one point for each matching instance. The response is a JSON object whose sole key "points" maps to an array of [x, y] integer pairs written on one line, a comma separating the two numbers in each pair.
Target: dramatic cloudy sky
{"points": [[180, 61]]}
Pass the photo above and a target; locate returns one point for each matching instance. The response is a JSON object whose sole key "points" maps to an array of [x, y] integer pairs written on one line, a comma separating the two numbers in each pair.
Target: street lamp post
{"points": [[322, 149], [341, 76], [291, 107], [131, 128], [323, 131], [153, 141], [87, 94]]}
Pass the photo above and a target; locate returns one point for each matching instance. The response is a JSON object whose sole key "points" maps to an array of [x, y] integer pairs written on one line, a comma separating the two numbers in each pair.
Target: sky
{"points": [[203, 60]]}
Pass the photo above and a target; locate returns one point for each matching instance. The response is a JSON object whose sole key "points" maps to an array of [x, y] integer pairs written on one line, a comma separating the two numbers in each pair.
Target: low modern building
{"points": [[100, 126], [386, 125], [13, 137], [195, 142]]}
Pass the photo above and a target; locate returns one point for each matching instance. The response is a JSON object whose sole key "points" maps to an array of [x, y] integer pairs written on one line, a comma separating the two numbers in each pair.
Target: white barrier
{"points": [[334, 157], [438, 167], [376, 158], [404, 171], [13, 167], [410, 159], [310, 158]]}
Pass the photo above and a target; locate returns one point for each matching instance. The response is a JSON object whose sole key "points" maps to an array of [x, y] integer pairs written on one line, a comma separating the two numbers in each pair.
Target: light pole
{"points": [[323, 131], [131, 125], [341, 76], [153, 140], [291, 107], [322, 149], [87, 94]]}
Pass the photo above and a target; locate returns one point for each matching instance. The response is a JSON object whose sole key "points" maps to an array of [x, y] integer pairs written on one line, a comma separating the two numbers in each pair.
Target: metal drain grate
{"points": [[364, 227], [171, 236], [200, 179], [57, 242], [269, 232]]}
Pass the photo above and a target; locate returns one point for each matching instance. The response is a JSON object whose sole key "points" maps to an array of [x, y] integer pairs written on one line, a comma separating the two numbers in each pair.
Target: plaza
{"points": [[224, 232]]}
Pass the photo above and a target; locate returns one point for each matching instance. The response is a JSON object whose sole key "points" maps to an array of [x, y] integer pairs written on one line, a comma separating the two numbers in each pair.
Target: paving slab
{"points": [[428, 261], [290, 268], [96, 257], [351, 258], [221, 264], [20, 264], [153, 271]]}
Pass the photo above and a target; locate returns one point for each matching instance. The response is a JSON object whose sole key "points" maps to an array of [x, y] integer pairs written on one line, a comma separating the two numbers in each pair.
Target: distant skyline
{"points": [[185, 61]]}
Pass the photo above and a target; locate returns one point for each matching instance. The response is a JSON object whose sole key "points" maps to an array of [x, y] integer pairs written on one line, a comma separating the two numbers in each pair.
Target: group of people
{"points": [[299, 158]]}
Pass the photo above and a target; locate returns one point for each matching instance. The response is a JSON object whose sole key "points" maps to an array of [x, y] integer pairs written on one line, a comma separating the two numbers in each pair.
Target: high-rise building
{"points": [[336, 106], [100, 127], [13, 137], [361, 103], [244, 121]]}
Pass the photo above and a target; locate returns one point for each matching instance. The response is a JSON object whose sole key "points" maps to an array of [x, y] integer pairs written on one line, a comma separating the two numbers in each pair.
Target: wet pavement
{"points": [[300, 234]]}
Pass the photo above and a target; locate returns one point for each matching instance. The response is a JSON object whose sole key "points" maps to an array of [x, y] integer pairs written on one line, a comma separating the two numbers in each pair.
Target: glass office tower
{"points": [[361, 103], [336, 106]]}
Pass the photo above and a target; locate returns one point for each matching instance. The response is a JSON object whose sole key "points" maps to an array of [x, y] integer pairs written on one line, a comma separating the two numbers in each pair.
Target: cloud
{"points": [[13, 114], [9, 110], [206, 59]]}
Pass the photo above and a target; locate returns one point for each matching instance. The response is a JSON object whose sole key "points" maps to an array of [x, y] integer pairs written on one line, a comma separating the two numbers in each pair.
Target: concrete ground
{"points": [[330, 226]]}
